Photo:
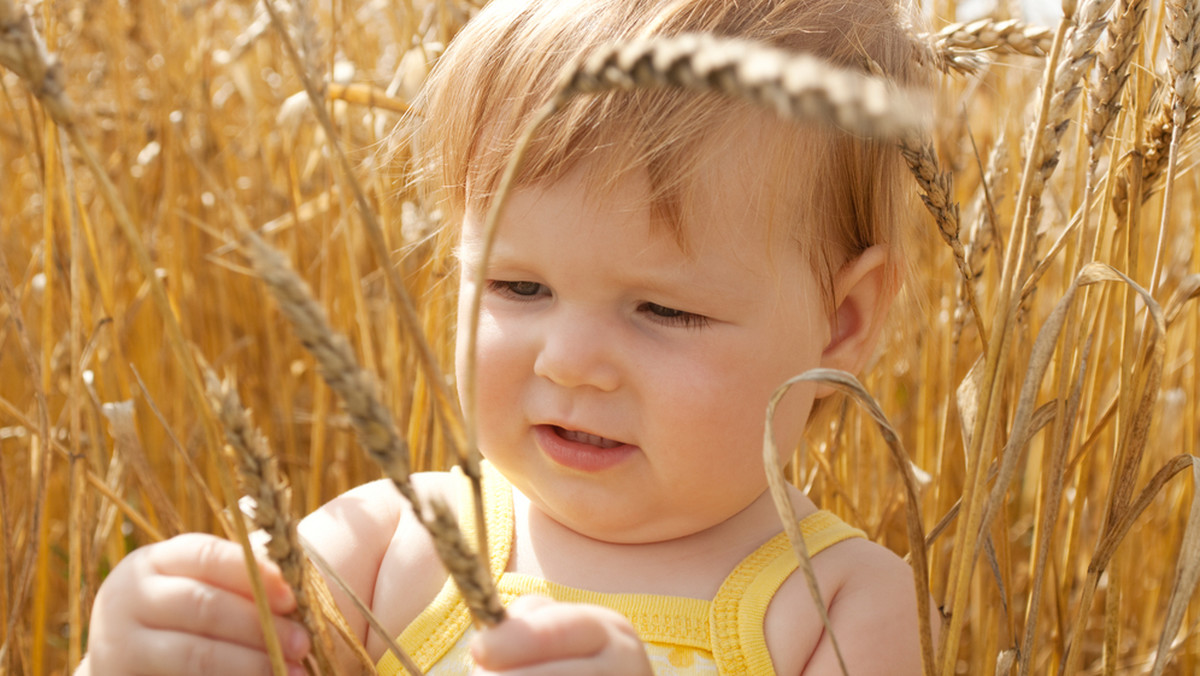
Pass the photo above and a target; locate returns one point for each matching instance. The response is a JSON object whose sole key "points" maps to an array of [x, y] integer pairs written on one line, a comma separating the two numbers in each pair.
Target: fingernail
{"points": [[297, 644], [296, 670]]}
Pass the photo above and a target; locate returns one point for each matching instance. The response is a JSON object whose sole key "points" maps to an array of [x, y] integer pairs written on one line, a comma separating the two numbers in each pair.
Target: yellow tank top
{"points": [[681, 635]]}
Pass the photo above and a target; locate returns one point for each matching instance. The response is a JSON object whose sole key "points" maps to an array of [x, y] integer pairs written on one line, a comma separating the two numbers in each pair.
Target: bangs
{"points": [[658, 134]]}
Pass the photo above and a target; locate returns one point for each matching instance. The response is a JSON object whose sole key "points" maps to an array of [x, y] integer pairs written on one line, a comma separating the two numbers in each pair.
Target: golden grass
{"points": [[1049, 405]]}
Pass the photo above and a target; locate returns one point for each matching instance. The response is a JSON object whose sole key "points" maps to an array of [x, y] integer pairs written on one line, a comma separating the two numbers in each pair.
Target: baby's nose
{"points": [[578, 350]]}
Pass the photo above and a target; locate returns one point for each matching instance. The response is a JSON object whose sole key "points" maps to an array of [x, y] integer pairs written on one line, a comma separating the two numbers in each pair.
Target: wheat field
{"points": [[1039, 379]]}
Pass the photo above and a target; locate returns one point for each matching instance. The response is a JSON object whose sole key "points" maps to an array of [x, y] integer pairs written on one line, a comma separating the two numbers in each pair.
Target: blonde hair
{"points": [[839, 194]]}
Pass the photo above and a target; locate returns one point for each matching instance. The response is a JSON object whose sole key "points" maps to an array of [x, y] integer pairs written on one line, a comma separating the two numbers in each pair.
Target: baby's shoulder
{"points": [[370, 516], [869, 594], [372, 538]]}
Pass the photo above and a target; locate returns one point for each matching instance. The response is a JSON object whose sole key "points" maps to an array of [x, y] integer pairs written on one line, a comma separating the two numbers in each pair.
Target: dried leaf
{"points": [[1108, 546], [967, 396], [127, 444], [1187, 573], [1039, 360], [1189, 289], [848, 384]]}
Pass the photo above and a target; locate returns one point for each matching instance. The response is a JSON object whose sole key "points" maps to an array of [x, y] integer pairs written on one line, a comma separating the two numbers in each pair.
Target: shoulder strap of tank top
{"points": [[740, 607]]}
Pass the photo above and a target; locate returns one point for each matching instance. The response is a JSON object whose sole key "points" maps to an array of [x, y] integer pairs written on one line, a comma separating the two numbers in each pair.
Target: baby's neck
{"points": [[691, 566]]}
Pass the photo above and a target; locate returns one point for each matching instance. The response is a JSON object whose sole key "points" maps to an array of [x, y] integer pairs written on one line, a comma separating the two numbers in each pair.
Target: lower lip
{"points": [[577, 455]]}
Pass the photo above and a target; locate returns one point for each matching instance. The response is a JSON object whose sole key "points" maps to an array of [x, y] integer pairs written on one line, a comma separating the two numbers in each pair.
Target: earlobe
{"points": [[863, 291]]}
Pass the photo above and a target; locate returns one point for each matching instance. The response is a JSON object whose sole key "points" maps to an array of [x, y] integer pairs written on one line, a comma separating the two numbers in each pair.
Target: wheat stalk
{"points": [[41, 468], [850, 385], [1040, 162], [137, 74]]}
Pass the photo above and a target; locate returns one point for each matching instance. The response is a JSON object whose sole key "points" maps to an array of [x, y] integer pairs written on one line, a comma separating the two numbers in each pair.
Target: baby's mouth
{"points": [[585, 438]]}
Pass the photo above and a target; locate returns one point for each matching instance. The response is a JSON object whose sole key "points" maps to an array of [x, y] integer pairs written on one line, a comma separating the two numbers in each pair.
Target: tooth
{"points": [[592, 439]]}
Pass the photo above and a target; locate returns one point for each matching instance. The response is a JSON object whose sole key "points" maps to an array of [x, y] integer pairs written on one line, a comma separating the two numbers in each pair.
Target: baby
{"points": [[666, 261]]}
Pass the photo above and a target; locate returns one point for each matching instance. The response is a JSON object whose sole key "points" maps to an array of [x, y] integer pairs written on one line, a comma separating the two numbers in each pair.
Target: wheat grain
{"points": [[1009, 36], [1183, 59]]}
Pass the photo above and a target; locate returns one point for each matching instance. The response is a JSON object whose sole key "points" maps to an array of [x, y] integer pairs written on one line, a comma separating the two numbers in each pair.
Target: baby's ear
{"points": [[863, 291]]}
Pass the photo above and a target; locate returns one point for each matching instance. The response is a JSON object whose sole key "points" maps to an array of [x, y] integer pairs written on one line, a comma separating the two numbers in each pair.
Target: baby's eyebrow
{"points": [[684, 285]]}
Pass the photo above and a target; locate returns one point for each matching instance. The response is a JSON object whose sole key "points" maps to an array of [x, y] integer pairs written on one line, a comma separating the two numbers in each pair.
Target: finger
{"points": [[169, 652], [584, 666], [543, 632], [190, 606], [220, 563]]}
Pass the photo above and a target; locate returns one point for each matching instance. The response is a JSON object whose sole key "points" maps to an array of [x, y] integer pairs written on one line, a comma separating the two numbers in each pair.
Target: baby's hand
{"points": [[543, 637], [184, 606]]}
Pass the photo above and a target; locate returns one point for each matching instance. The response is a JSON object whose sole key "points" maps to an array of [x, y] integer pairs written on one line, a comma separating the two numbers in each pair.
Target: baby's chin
{"points": [[661, 527]]}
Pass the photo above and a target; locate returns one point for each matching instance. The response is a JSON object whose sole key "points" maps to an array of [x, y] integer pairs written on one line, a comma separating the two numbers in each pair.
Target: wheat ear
{"points": [[1112, 71], [936, 189], [981, 234], [23, 52], [1183, 60], [373, 422], [795, 86], [1179, 107], [1104, 100], [959, 47], [261, 480], [1066, 87], [468, 454]]}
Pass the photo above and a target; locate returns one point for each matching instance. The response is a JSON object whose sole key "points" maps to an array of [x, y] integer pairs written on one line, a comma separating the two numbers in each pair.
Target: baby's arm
{"points": [[874, 617], [542, 637]]}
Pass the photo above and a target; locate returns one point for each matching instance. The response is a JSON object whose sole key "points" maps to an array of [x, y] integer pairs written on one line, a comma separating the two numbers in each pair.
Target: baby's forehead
{"points": [[720, 211]]}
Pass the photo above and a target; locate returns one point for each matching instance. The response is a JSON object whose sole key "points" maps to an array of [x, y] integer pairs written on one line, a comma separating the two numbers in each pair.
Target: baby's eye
{"points": [[517, 290], [673, 317]]}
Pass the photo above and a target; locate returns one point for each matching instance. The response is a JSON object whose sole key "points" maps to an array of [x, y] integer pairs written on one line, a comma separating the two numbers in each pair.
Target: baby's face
{"points": [[622, 381]]}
